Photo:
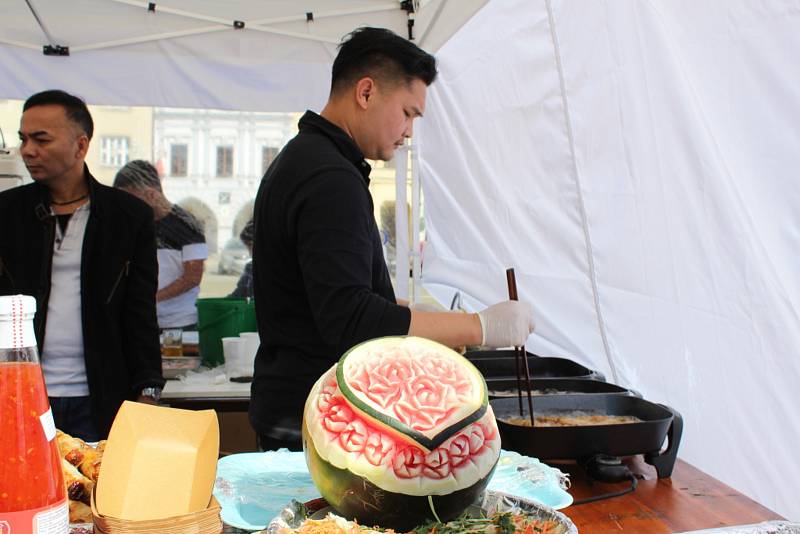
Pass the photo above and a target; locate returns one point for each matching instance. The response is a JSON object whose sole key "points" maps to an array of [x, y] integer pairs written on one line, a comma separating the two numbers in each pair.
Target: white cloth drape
{"points": [[637, 163]]}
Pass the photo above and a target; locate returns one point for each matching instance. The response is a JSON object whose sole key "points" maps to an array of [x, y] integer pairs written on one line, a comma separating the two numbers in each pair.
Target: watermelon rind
{"points": [[356, 497]]}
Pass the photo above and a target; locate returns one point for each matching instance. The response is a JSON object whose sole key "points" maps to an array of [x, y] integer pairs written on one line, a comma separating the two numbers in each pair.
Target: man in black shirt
{"points": [[320, 280]]}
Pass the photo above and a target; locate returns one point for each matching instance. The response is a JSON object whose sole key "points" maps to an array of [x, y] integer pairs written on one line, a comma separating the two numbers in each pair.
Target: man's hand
{"points": [[506, 324]]}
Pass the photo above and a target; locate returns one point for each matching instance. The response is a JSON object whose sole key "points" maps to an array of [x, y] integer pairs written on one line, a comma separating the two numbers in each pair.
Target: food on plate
{"points": [[573, 420], [400, 431], [80, 463], [79, 488], [496, 523], [79, 512], [331, 524]]}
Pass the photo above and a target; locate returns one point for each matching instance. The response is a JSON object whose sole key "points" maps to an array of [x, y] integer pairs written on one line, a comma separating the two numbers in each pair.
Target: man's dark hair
{"points": [[383, 55], [74, 107], [138, 174]]}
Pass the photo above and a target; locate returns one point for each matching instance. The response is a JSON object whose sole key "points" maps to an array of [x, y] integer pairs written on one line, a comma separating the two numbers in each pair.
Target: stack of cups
{"points": [[240, 354]]}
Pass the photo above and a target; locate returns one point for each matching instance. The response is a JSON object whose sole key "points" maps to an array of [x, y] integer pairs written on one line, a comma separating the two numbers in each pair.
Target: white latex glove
{"points": [[506, 324]]}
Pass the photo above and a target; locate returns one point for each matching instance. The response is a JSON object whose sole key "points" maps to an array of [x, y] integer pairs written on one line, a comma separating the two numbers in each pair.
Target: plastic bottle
{"points": [[33, 499]]}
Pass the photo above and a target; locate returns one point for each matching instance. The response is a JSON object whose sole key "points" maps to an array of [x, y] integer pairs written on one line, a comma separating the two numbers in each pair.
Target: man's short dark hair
{"points": [[74, 107], [138, 174], [383, 55]]}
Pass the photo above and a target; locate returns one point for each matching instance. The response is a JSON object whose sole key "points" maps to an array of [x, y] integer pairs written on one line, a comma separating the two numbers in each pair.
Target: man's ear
{"points": [[83, 146], [365, 89]]}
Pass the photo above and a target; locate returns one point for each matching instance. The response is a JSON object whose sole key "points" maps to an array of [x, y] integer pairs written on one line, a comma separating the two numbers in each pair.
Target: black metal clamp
{"points": [[55, 50]]}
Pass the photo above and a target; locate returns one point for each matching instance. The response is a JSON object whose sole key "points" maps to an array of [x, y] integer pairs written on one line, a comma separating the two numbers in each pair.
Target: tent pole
{"points": [[401, 222], [40, 22], [149, 38], [416, 204], [432, 23], [21, 44], [263, 21], [327, 14]]}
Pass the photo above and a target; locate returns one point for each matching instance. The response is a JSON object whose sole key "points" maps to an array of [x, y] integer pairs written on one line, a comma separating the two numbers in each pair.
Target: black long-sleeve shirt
{"points": [[321, 284]]}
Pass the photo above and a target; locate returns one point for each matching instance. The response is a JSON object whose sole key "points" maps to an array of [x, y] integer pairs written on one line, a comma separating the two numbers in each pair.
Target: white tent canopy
{"points": [[636, 162], [189, 53]]}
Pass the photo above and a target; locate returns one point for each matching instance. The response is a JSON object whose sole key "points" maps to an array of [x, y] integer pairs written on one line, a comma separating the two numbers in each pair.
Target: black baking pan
{"points": [[502, 363], [658, 423], [507, 387]]}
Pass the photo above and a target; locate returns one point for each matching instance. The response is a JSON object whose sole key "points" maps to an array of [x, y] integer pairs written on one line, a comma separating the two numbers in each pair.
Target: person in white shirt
{"points": [[182, 248]]}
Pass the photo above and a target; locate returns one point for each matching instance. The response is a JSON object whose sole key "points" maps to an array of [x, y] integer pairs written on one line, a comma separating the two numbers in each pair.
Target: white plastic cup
{"points": [[250, 344], [232, 352]]}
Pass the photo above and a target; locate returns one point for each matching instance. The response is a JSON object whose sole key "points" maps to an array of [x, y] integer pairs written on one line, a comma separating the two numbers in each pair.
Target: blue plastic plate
{"points": [[252, 488]]}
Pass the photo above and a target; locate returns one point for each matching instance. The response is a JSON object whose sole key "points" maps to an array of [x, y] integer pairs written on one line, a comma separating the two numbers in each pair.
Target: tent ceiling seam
{"points": [[576, 175]]}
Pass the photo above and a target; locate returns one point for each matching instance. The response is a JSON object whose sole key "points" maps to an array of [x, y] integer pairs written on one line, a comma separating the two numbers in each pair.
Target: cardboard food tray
{"points": [[158, 469]]}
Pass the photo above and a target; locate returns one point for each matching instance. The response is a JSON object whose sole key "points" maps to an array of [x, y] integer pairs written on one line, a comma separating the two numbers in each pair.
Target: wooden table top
{"points": [[689, 500]]}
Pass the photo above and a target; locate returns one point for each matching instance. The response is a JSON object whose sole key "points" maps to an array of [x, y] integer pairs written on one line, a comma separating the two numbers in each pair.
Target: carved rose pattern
{"points": [[420, 392], [354, 435]]}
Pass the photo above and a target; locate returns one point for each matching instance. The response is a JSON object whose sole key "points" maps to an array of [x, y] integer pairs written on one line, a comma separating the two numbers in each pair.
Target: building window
{"points": [[268, 154], [225, 161], [177, 161], [114, 151]]}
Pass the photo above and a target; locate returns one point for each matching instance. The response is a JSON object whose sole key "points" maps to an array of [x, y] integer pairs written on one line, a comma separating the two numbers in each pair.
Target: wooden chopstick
{"points": [[519, 352]]}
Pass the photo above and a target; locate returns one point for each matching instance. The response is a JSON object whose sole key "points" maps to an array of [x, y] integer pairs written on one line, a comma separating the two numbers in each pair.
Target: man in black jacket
{"points": [[87, 253], [321, 284]]}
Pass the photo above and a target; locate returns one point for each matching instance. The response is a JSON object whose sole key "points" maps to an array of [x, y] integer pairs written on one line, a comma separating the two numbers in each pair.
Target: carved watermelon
{"points": [[400, 431]]}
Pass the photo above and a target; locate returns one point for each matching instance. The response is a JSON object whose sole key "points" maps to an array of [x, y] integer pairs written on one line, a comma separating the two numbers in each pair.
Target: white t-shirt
{"points": [[180, 238], [63, 363]]}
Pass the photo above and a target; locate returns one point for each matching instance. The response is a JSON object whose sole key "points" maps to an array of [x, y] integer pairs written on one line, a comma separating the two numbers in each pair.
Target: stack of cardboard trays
{"points": [[158, 473]]}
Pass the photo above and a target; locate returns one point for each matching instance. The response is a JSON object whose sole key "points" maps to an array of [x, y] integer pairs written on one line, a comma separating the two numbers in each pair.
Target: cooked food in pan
{"points": [[573, 420]]}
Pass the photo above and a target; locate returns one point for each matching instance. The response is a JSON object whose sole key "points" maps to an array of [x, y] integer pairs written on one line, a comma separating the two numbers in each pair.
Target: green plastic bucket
{"points": [[222, 317]]}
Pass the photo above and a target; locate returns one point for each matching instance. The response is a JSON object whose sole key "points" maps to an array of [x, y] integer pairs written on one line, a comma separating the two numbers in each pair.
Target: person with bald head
{"points": [[87, 253]]}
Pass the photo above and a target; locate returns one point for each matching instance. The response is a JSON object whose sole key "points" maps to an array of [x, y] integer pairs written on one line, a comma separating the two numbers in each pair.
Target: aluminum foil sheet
{"points": [[489, 502]]}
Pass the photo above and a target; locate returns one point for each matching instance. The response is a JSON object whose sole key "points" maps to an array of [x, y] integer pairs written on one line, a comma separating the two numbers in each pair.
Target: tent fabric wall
{"points": [[636, 163]]}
